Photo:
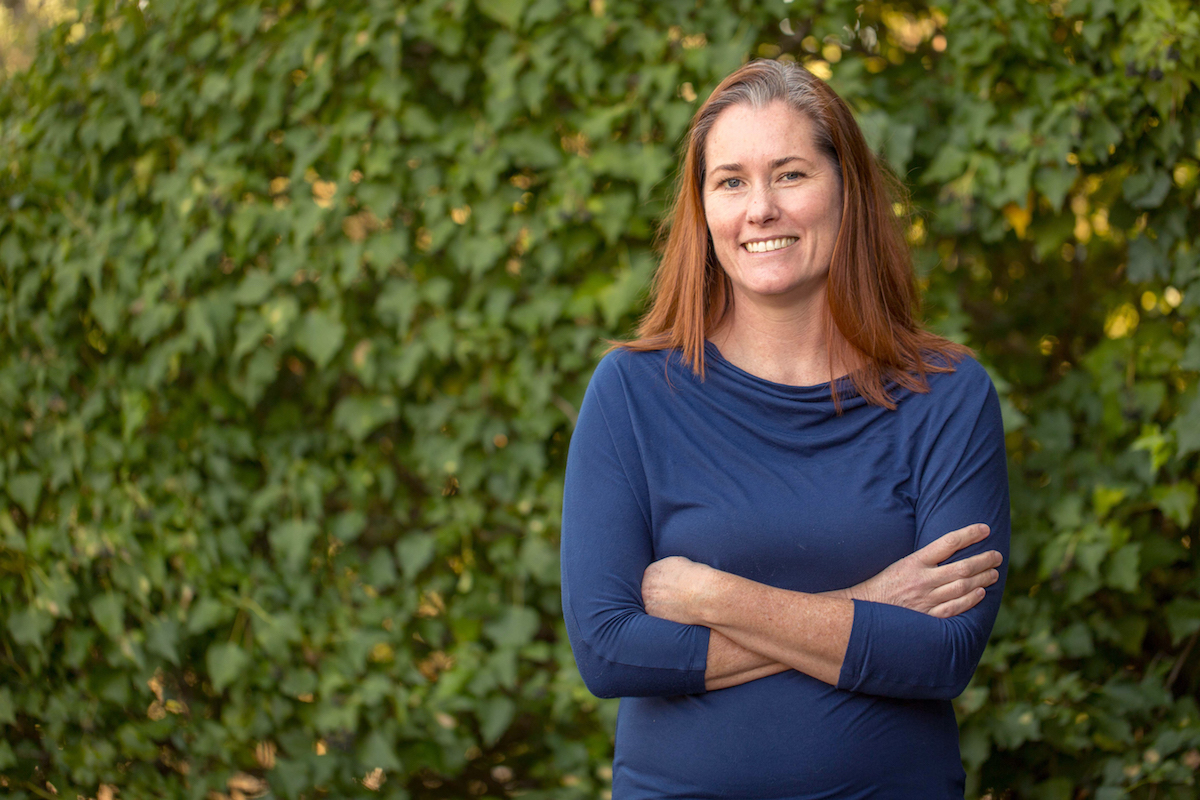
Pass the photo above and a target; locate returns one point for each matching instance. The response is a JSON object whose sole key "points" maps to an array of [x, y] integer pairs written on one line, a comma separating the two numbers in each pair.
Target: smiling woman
{"points": [[786, 507], [774, 208]]}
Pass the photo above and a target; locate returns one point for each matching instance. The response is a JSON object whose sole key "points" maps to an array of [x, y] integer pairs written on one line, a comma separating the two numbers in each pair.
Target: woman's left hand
{"points": [[676, 588]]}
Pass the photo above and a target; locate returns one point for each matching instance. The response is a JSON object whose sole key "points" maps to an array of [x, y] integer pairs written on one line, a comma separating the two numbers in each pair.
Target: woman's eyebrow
{"points": [[776, 164], [779, 162]]}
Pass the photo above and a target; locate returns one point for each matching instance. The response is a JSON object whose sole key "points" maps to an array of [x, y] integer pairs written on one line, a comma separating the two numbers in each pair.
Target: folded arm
{"points": [[759, 630], [621, 651]]}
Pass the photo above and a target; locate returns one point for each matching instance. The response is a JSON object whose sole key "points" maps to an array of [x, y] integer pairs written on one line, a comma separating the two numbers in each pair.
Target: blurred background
{"points": [[299, 299]]}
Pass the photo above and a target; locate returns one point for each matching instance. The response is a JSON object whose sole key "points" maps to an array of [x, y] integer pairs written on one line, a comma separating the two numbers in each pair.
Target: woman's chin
{"points": [[781, 292]]}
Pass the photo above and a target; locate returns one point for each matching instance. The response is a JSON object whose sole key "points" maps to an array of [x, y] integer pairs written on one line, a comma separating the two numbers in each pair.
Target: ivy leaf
{"points": [[320, 335], [1176, 502], [1054, 182], [506, 12], [25, 488], [1183, 618], [1154, 195], [495, 715], [29, 626], [1123, 568], [1187, 428], [377, 752], [348, 526], [414, 552], [109, 612], [226, 661], [358, 416], [162, 638], [291, 541], [1146, 262], [515, 627]]}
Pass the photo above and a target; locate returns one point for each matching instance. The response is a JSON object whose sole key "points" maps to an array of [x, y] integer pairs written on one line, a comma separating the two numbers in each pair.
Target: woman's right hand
{"points": [[917, 582]]}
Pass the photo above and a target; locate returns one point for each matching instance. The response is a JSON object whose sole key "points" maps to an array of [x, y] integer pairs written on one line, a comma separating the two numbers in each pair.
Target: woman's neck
{"points": [[786, 345]]}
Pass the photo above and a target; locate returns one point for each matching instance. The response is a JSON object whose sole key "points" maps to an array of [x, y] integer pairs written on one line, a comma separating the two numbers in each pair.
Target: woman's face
{"points": [[773, 203]]}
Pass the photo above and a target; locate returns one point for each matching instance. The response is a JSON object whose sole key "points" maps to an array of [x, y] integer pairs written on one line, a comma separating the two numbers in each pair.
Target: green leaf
{"points": [[1187, 428], [291, 541], [26, 489], [1176, 502], [106, 308], [162, 638], [495, 715], [358, 416], [135, 408], [1146, 261], [254, 288], [109, 612], [29, 626], [1154, 195], [207, 613], [1183, 618], [1054, 182], [199, 327], [515, 627], [380, 570], [1123, 568], [378, 752], [506, 12], [320, 335], [226, 662], [348, 526], [414, 552]]}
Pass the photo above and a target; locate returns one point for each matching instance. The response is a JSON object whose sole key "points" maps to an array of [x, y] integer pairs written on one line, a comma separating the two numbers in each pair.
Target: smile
{"points": [[768, 245]]}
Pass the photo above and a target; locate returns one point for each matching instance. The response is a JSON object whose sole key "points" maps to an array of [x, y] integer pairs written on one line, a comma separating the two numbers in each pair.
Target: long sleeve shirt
{"points": [[769, 482]]}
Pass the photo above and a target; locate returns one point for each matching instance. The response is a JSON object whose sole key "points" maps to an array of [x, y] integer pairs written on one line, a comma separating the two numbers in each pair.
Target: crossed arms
{"points": [[759, 630], [643, 625]]}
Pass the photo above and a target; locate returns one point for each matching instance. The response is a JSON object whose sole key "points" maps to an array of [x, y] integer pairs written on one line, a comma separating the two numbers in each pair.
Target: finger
{"points": [[941, 549], [962, 588], [967, 567], [953, 608]]}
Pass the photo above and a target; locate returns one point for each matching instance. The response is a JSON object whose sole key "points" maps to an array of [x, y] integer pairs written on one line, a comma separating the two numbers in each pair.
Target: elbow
{"points": [[958, 673], [957, 685], [602, 682], [601, 677], [608, 679]]}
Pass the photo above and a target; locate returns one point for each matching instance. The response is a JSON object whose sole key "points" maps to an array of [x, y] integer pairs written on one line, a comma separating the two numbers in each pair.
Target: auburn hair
{"points": [[873, 299]]}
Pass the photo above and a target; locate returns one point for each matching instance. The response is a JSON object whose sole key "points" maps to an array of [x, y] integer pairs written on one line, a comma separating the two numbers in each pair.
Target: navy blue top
{"points": [[766, 481]]}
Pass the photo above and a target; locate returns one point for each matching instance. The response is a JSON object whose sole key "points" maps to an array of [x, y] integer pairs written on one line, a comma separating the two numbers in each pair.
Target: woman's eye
{"points": [[791, 176], [731, 183]]}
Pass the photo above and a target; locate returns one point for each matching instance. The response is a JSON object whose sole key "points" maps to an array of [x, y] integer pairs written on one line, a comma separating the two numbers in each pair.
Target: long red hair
{"points": [[873, 298]]}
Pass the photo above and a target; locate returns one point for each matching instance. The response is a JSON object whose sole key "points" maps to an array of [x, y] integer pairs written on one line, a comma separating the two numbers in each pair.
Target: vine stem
{"points": [[1187, 650]]}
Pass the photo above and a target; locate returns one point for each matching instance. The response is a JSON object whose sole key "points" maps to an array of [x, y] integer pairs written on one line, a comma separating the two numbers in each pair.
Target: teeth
{"points": [[769, 244]]}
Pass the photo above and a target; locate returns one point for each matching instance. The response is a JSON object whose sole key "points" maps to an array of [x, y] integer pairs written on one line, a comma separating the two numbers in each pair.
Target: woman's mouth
{"points": [[767, 245]]}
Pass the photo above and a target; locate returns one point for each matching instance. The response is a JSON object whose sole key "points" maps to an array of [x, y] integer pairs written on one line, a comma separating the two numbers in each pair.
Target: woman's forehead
{"points": [[744, 132]]}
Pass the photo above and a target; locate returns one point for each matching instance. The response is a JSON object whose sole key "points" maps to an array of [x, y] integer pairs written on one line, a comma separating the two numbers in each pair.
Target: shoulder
{"points": [[627, 370], [966, 377], [959, 396]]}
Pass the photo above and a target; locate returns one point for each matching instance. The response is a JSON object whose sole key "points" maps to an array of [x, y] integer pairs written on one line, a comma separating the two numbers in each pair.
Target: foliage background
{"points": [[298, 302]]}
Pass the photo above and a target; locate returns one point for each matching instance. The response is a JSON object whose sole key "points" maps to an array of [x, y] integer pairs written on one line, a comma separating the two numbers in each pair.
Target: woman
{"points": [[761, 488]]}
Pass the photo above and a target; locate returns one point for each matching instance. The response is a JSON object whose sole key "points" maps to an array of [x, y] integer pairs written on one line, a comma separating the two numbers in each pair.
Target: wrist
{"points": [[844, 594]]}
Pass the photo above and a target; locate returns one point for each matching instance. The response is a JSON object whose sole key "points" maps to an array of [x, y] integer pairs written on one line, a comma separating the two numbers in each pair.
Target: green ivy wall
{"points": [[298, 302]]}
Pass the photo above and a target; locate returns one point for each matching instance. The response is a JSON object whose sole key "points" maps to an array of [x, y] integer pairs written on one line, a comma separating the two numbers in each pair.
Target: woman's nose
{"points": [[762, 208]]}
